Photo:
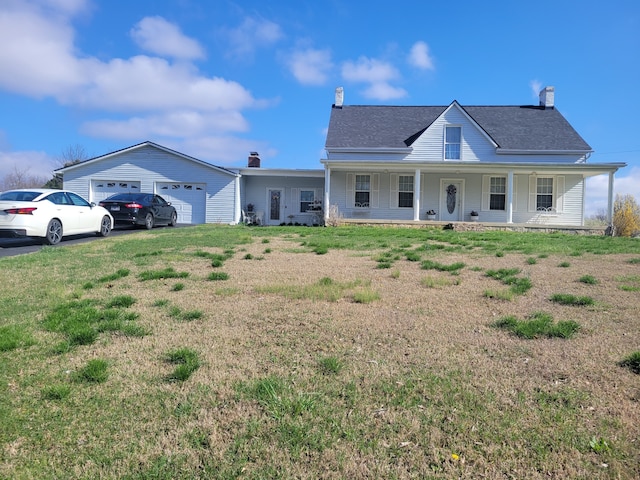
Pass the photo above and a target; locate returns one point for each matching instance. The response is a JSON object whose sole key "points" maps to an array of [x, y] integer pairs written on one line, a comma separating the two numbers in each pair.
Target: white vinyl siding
{"points": [[148, 166]]}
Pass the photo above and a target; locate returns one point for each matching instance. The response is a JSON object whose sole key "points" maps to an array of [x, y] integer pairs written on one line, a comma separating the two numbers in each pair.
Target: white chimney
{"points": [[339, 96], [547, 97]]}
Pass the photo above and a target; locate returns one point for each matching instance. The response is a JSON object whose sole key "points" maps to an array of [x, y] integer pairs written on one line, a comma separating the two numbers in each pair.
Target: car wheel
{"points": [[148, 221], [105, 226], [174, 219], [54, 232]]}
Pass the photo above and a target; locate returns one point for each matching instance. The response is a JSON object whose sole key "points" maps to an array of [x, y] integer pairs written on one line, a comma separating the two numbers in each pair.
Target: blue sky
{"points": [[217, 79]]}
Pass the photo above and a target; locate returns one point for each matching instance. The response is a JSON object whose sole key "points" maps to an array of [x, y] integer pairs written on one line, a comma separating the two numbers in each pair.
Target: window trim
{"points": [[374, 188], [446, 143], [557, 193], [486, 192]]}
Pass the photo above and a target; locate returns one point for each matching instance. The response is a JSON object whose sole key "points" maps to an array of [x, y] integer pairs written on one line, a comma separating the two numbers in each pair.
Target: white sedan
{"points": [[50, 214]]}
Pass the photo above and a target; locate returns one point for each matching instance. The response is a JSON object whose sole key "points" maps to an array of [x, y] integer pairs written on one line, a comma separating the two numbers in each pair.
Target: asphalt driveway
{"points": [[18, 246]]}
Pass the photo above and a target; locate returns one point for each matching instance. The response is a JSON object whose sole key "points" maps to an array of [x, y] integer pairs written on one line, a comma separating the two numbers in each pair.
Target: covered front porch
{"points": [[529, 194]]}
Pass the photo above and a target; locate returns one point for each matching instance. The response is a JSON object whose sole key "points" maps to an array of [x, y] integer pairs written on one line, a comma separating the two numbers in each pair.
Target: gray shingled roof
{"points": [[511, 127]]}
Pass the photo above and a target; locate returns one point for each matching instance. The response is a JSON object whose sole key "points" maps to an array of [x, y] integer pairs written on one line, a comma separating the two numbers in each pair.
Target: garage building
{"points": [[200, 192]]}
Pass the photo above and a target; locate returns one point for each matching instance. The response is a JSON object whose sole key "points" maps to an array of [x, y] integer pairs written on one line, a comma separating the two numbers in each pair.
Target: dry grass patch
{"points": [[297, 380]]}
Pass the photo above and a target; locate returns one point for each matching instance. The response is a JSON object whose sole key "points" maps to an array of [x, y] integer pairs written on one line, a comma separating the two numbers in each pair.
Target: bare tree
{"points": [[21, 178], [69, 156]]}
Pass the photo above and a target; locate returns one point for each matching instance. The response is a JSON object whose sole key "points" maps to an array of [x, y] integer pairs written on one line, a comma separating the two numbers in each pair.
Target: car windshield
{"points": [[19, 196]]}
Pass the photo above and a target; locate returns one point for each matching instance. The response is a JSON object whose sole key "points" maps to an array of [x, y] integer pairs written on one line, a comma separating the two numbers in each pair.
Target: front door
{"points": [[275, 215], [451, 196]]}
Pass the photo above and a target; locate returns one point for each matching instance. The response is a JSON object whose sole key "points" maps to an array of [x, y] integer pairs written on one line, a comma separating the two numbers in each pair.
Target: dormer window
{"points": [[452, 140]]}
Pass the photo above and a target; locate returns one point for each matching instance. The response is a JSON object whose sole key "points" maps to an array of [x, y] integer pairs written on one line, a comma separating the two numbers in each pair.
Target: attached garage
{"points": [[200, 192], [101, 189], [189, 200]]}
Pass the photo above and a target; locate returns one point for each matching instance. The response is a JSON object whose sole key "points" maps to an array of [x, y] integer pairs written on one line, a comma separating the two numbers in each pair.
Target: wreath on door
{"points": [[451, 198]]}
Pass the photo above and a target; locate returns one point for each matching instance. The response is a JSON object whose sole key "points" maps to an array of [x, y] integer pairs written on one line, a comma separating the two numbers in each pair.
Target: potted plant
{"points": [[431, 214], [474, 215]]}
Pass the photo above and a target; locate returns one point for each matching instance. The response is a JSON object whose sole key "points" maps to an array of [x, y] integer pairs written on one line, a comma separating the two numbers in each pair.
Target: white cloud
{"points": [[420, 57], [169, 125], [310, 66], [151, 96], [37, 164], [625, 182], [252, 34], [378, 74], [158, 36]]}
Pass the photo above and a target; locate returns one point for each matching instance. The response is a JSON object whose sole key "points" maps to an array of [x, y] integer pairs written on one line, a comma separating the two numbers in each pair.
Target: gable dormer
{"points": [[453, 136]]}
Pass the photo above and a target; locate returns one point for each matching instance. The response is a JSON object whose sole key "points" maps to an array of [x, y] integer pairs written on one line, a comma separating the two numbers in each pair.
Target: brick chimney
{"points": [[254, 160], [547, 97]]}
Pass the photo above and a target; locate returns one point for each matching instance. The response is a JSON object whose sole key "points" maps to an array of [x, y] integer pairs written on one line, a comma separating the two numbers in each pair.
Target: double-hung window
{"points": [[544, 193], [497, 193], [363, 191], [452, 142], [307, 198], [405, 191]]}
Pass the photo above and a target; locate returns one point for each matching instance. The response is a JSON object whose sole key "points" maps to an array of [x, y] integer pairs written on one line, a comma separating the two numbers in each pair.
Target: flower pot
{"points": [[475, 218], [431, 217]]}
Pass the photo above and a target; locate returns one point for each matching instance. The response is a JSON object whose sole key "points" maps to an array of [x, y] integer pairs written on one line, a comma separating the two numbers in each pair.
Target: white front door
{"points": [[451, 200], [275, 205]]}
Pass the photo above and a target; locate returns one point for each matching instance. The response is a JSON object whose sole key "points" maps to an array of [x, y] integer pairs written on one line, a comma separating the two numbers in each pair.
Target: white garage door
{"points": [[101, 189], [189, 200]]}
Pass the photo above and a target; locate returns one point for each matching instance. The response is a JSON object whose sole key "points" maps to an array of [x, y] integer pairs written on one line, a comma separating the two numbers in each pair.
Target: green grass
{"points": [[508, 276], [629, 283], [536, 325], [187, 361], [168, 272], [94, 372], [437, 282], [13, 337], [218, 276], [330, 365], [588, 279], [277, 401], [570, 299], [453, 268], [365, 296], [632, 362], [325, 289]]}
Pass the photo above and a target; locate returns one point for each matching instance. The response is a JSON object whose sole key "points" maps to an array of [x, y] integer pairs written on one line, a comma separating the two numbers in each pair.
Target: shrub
{"points": [[626, 215]]}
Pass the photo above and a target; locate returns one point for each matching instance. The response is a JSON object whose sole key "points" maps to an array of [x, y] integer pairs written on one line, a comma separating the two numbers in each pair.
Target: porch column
{"points": [[236, 213], [416, 195], [327, 177], [510, 196], [610, 200]]}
